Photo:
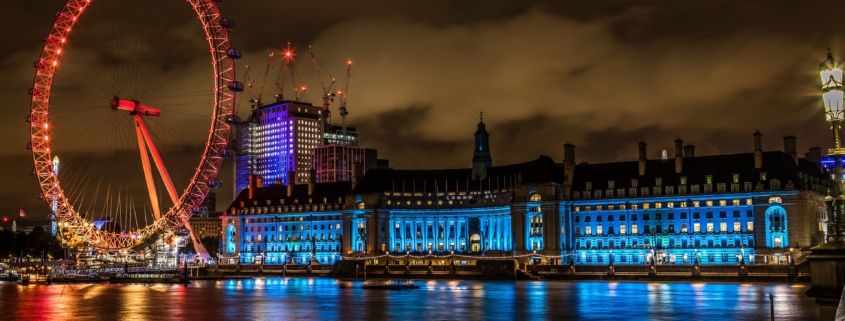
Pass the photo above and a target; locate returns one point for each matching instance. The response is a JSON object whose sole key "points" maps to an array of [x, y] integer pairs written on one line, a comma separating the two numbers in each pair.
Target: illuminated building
{"points": [[746, 208], [277, 140]]}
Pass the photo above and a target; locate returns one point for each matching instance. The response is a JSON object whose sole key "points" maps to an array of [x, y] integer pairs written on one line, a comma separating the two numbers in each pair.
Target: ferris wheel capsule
{"points": [[215, 183], [233, 53], [227, 23], [226, 153], [235, 86]]}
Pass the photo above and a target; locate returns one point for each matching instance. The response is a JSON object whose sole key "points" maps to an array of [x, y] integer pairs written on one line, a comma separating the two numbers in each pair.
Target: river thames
{"points": [[322, 299]]}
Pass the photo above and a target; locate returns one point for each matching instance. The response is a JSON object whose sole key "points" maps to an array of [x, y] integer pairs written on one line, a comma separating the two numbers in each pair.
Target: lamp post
{"points": [[830, 71]]}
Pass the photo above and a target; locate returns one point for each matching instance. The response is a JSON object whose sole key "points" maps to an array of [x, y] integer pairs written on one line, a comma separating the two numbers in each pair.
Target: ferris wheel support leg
{"points": [[145, 162], [168, 183]]}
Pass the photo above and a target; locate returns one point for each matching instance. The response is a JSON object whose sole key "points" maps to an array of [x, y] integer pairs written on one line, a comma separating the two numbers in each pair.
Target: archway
{"points": [[475, 243]]}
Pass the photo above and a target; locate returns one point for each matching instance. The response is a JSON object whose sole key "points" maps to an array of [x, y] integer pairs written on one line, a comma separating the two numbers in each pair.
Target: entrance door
{"points": [[475, 243]]}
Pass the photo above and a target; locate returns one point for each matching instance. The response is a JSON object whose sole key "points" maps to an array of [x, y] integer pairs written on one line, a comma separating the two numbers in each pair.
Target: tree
{"points": [[38, 242], [19, 245], [56, 249], [7, 238]]}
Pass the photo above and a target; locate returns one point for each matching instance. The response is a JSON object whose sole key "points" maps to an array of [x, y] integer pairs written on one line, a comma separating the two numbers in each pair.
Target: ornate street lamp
{"points": [[830, 71]]}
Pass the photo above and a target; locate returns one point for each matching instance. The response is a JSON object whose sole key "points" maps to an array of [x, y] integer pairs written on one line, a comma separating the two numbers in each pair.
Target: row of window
{"points": [[708, 179], [634, 206], [659, 216], [669, 190], [696, 228]]}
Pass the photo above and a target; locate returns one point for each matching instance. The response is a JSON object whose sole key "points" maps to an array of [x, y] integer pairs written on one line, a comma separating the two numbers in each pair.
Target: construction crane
{"points": [[343, 94], [298, 90], [328, 90], [256, 97]]}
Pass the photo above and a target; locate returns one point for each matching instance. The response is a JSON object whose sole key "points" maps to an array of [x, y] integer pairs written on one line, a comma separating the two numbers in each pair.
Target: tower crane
{"points": [[298, 91], [328, 90], [256, 97], [343, 94]]}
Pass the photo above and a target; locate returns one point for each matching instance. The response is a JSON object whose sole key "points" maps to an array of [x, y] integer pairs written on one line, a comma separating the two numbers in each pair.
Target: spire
{"points": [[481, 159]]}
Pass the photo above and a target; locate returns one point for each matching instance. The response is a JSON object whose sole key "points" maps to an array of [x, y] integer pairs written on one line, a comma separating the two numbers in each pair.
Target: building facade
{"points": [[751, 208]]}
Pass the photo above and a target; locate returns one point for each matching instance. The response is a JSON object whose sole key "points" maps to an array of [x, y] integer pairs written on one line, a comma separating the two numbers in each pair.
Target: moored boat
{"points": [[390, 285]]}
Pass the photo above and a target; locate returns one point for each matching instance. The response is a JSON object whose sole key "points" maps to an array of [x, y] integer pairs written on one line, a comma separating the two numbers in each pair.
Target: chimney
{"points": [[815, 154], [312, 179], [679, 155], [790, 147], [251, 185], [356, 174], [758, 150], [291, 182], [689, 150], [643, 159], [569, 161]]}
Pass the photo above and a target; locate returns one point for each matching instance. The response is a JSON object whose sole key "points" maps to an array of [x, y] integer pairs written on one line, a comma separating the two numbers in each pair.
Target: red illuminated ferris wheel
{"points": [[123, 95]]}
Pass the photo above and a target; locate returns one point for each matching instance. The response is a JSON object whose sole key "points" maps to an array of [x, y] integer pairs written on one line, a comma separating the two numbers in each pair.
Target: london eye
{"points": [[125, 94]]}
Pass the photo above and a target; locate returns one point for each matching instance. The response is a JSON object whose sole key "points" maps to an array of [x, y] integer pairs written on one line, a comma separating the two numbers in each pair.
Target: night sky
{"points": [[602, 76]]}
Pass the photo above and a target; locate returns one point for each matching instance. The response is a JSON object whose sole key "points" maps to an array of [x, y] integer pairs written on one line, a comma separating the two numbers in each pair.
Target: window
{"points": [[589, 230], [608, 193], [589, 185], [536, 197], [632, 191], [622, 229], [735, 202], [644, 191], [658, 216], [696, 203], [749, 201], [620, 192], [720, 187], [723, 214], [577, 208], [762, 176], [694, 189], [658, 182], [709, 203], [682, 189], [736, 214], [735, 178], [586, 195], [723, 227], [634, 229], [598, 230], [671, 216], [670, 190], [737, 227], [709, 227], [646, 205], [683, 216], [775, 184], [656, 190], [577, 230], [683, 228], [747, 186], [683, 180], [634, 182], [708, 179], [683, 204], [598, 193], [696, 227], [749, 213], [576, 195], [611, 184], [708, 188], [749, 227], [646, 217], [734, 188]]}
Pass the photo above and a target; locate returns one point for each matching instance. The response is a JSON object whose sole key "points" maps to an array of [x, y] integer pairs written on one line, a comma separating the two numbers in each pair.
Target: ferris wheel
{"points": [[124, 95]]}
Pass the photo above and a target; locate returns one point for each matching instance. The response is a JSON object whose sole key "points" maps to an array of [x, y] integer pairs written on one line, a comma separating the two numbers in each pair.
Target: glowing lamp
{"points": [[830, 71]]}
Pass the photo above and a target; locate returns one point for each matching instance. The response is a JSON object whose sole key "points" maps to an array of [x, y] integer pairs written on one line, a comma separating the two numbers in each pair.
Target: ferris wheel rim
{"points": [[81, 230]]}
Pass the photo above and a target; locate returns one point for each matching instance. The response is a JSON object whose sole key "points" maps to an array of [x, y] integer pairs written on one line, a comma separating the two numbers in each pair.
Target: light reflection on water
{"points": [[300, 298]]}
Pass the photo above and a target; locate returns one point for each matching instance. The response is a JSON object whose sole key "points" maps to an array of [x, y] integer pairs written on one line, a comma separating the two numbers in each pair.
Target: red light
{"points": [[5, 219]]}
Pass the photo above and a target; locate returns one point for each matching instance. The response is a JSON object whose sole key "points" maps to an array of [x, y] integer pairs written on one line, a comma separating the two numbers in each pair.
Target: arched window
{"points": [[534, 197], [776, 227]]}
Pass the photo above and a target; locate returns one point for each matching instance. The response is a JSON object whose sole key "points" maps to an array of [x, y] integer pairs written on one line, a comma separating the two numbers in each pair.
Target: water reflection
{"points": [[299, 298]]}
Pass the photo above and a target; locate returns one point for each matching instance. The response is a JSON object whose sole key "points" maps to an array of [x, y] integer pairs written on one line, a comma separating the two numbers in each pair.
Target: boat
{"points": [[390, 285], [40, 274]]}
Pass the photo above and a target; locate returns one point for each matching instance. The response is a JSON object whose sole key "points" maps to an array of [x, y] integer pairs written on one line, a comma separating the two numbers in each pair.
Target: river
{"points": [[322, 299]]}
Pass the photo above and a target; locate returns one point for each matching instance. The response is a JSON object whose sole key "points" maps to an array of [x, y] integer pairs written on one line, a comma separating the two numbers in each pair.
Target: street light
{"points": [[830, 71]]}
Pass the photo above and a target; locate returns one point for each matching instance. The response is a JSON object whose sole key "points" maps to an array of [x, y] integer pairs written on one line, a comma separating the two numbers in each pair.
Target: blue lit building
{"points": [[752, 208]]}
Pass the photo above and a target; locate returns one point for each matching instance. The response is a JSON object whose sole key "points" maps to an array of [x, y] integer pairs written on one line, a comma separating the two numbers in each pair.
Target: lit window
{"points": [[598, 230], [696, 203], [589, 230], [696, 227], [749, 227], [683, 204], [709, 179], [749, 201], [633, 206], [723, 202], [598, 207], [645, 206], [737, 227], [709, 203], [683, 228], [683, 180], [658, 205], [577, 208], [723, 227], [709, 227], [622, 207], [735, 202], [670, 204], [634, 229], [622, 229]]}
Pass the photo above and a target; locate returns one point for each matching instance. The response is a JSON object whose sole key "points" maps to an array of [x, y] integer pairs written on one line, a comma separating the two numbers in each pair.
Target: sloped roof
{"points": [[776, 165], [275, 193], [540, 170]]}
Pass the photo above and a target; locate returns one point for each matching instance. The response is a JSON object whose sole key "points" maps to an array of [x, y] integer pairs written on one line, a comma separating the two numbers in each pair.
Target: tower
{"points": [[481, 159]]}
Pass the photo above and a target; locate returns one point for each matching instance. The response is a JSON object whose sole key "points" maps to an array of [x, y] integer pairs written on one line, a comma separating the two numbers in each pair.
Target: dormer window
{"points": [[658, 182], [589, 185], [634, 183], [683, 180], [775, 184], [709, 179], [611, 184], [735, 178], [721, 187], [762, 176], [747, 186]]}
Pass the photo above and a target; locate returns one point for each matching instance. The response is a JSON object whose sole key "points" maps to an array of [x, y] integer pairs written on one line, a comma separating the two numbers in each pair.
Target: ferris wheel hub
{"points": [[134, 107]]}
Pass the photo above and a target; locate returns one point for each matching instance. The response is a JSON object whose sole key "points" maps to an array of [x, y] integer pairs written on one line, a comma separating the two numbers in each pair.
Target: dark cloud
{"points": [[600, 75]]}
